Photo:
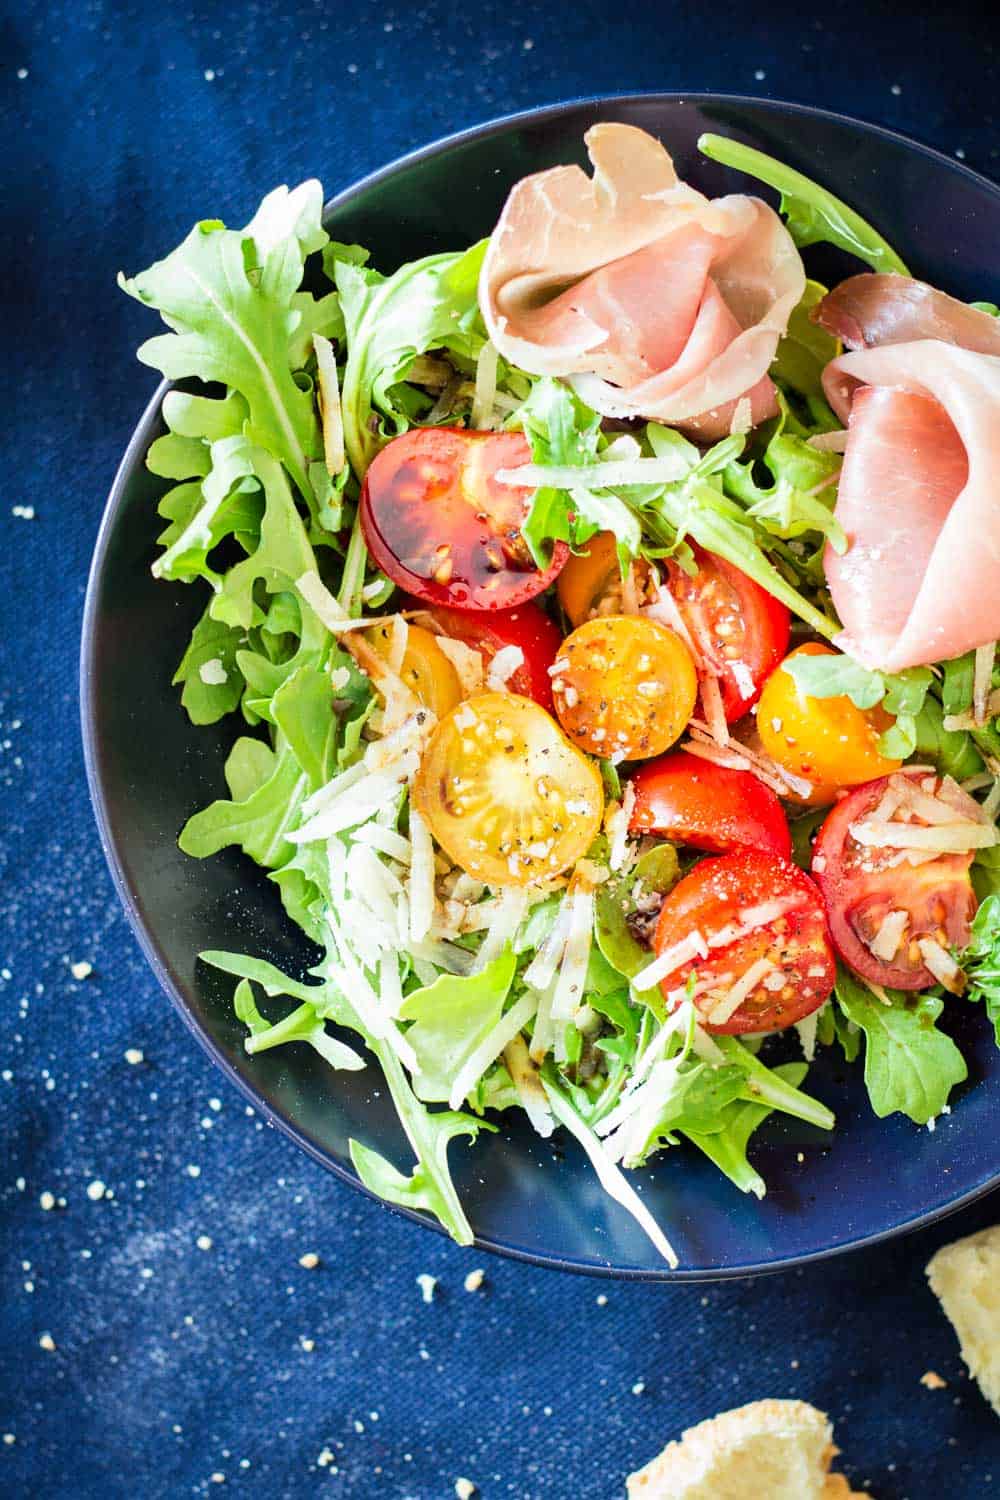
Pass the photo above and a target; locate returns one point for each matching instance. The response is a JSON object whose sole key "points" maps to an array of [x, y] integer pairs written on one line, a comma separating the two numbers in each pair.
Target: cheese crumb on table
{"points": [[203, 1242], [965, 1277], [81, 970], [47, 1342], [96, 1190], [46, 1201], [465, 1489], [134, 1055], [309, 1261], [325, 1459], [474, 1280], [427, 1285], [932, 1380]]}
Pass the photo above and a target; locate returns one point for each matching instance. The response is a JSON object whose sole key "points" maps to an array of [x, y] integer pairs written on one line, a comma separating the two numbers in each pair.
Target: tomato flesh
{"points": [[829, 742], [861, 885], [528, 627], [425, 669], [624, 687], [740, 630], [440, 525], [505, 793], [690, 800], [748, 907]]}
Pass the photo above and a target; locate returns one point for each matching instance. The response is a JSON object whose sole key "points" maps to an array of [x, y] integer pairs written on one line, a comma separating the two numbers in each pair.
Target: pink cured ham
{"points": [[871, 309], [651, 299], [920, 581]]}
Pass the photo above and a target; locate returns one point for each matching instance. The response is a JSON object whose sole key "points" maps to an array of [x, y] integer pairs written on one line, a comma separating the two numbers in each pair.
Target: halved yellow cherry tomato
{"points": [[591, 582], [505, 793], [425, 669], [624, 686], [829, 741]]}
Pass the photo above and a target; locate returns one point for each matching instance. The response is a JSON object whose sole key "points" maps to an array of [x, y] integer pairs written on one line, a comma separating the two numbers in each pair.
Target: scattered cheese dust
{"points": [[427, 1285], [932, 1380], [465, 1489], [23, 512], [309, 1261], [325, 1459], [47, 1342], [46, 1201], [81, 970], [474, 1280], [203, 1242], [96, 1190], [134, 1055], [308, 1345]]}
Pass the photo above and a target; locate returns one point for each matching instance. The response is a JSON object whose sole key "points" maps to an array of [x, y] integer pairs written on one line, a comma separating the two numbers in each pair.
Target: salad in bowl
{"points": [[615, 668]]}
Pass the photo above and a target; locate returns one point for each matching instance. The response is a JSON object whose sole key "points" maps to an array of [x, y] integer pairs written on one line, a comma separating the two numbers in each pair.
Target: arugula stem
{"points": [[349, 596]]}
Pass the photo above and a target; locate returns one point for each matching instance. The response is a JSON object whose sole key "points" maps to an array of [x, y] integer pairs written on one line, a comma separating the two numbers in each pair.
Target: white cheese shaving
{"points": [[715, 713], [385, 840], [389, 986], [888, 939], [726, 1007], [806, 1029], [213, 673], [944, 838], [982, 680], [598, 476], [742, 418], [329, 405], [327, 609], [339, 678], [740, 757], [753, 918], [616, 826], [510, 909], [468, 663], [507, 661], [609, 1175], [510, 1025], [941, 964], [367, 797], [397, 644], [664, 611], [528, 1085], [829, 442], [692, 946], [568, 994], [542, 970], [486, 386], [421, 884], [373, 1016], [543, 1031]]}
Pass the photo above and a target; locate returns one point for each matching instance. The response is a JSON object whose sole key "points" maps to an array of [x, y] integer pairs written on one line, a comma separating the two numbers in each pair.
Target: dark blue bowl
{"points": [[149, 769]]}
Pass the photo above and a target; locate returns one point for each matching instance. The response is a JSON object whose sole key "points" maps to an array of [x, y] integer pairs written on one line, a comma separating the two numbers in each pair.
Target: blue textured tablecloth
{"points": [[164, 1340]]}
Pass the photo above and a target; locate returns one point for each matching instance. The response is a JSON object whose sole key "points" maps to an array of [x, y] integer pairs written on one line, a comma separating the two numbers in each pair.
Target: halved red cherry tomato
{"points": [[741, 632], [527, 627], [439, 524], [681, 797], [756, 916], [505, 793], [861, 885], [625, 687], [591, 582]]}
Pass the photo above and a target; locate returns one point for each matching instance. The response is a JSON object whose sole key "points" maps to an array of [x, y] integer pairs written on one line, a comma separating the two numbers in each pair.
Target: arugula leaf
{"points": [[225, 502], [282, 557], [910, 1066], [764, 1085], [426, 304], [206, 417], [231, 299], [726, 1145], [429, 1186], [563, 431], [694, 507], [981, 960], [804, 353], [812, 212], [656, 871], [302, 1025], [257, 825], [957, 683], [452, 1018], [902, 694], [212, 649], [952, 751], [793, 505], [249, 764]]}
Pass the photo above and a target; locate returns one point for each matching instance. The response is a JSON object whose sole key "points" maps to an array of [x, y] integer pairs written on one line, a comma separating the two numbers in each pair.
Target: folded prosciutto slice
{"points": [[653, 300], [920, 580], [874, 309]]}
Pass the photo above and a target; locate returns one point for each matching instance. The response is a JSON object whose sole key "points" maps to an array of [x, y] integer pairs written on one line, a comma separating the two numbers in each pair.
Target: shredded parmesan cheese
{"points": [[525, 1078], [510, 1025], [486, 386], [692, 946], [397, 643], [468, 663], [888, 939], [715, 713], [941, 964], [329, 405], [943, 838], [598, 476], [982, 679], [829, 442], [616, 827], [507, 661], [726, 1007], [421, 887], [568, 994], [740, 757]]}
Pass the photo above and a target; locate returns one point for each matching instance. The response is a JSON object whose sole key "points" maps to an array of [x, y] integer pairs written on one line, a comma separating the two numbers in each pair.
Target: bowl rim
{"points": [[128, 894]]}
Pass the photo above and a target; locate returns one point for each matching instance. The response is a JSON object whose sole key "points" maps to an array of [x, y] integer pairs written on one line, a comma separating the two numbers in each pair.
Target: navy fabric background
{"points": [[178, 1369]]}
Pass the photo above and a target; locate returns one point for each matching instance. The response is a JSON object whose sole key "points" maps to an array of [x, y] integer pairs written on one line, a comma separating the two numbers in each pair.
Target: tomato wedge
{"points": [[766, 960], [864, 886], [425, 669], [624, 687], [528, 627], [505, 793], [741, 631], [438, 523], [681, 797], [827, 741]]}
